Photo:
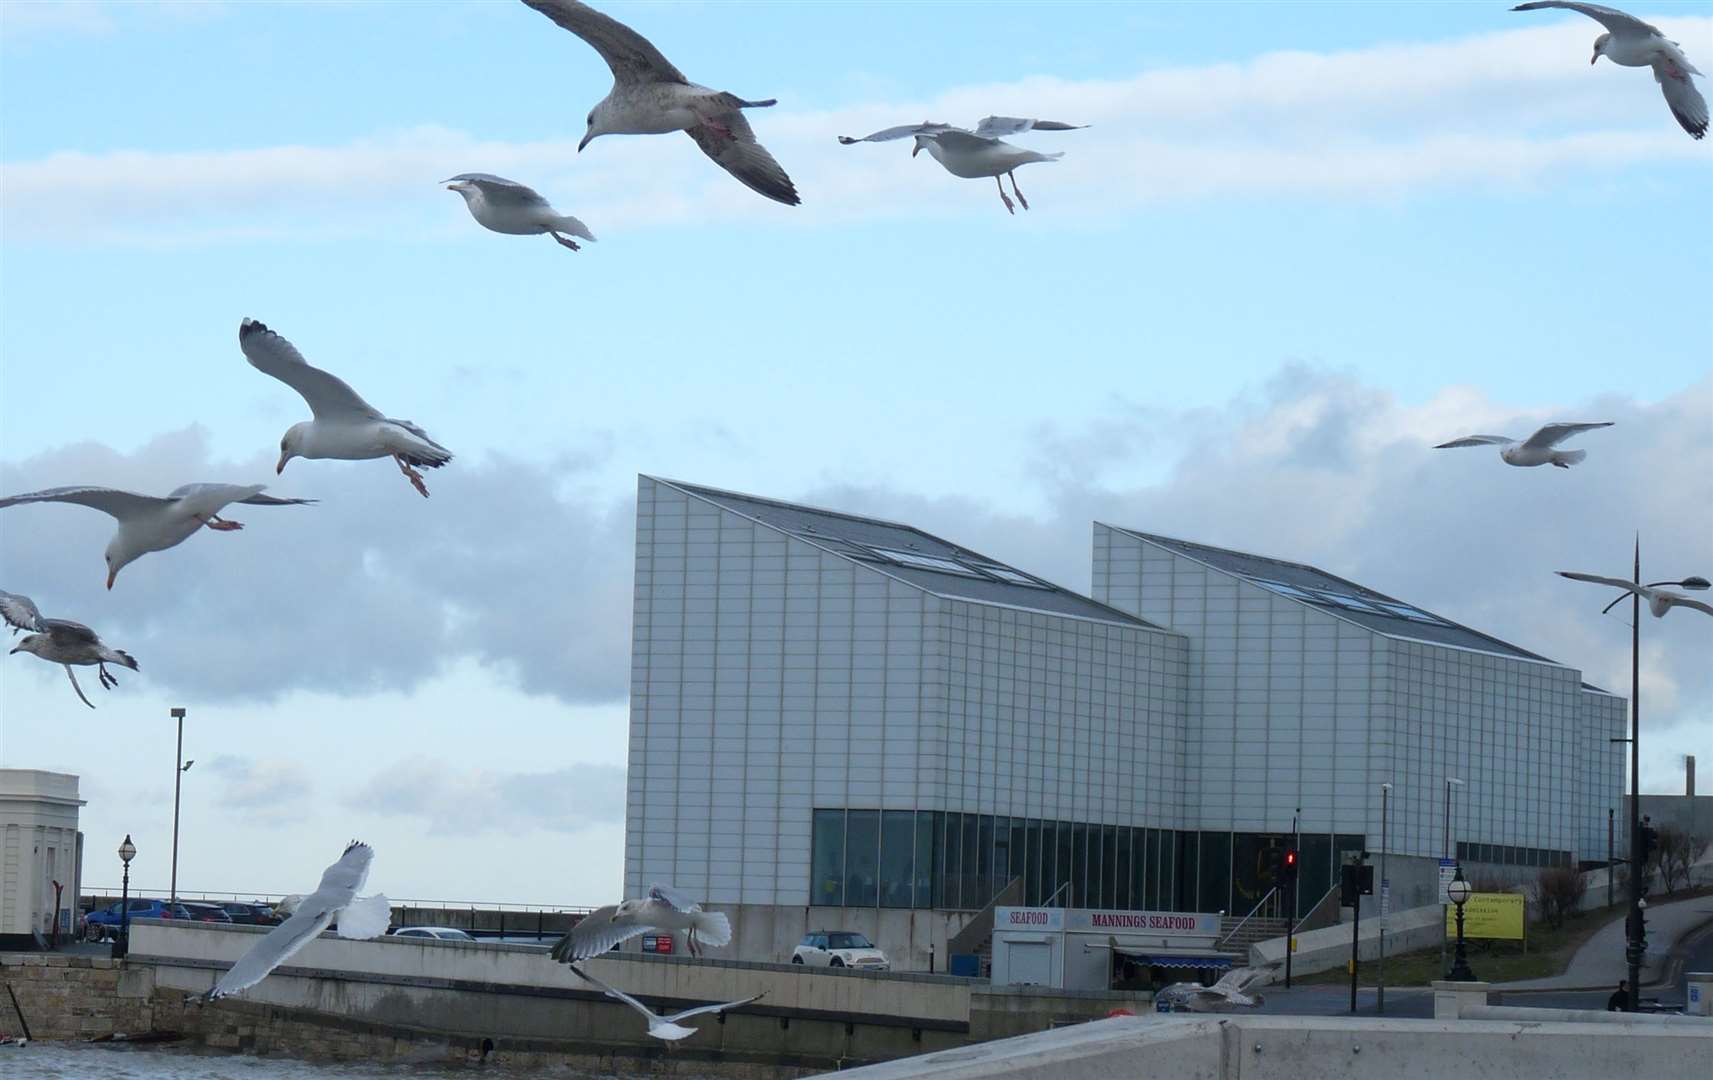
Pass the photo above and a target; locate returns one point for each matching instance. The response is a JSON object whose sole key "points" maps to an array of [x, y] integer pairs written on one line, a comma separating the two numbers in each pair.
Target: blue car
{"points": [[103, 923]]}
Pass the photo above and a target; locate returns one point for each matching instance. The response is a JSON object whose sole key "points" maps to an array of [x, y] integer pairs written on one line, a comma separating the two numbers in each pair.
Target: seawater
{"points": [[61, 1061]]}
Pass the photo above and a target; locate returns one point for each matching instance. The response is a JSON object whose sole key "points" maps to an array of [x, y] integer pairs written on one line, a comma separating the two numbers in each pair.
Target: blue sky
{"points": [[1298, 244]]}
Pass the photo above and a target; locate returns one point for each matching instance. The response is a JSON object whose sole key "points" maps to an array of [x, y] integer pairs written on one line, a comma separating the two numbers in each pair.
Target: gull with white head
{"points": [[61, 641], [1659, 600], [360, 918], [670, 1028], [345, 426], [1630, 42], [664, 908], [651, 97], [978, 153], [1537, 449], [506, 206], [152, 522]]}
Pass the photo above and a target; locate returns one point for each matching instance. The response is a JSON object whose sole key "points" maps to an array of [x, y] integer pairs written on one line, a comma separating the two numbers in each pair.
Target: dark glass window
{"points": [[967, 888], [1019, 850], [1040, 877], [927, 851], [827, 884], [1315, 876], [862, 858], [1183, 867], [946, 891], [1349, 845], [984, 870], [1141, 874], [1079, 866], [1062, 864], [897, 851], [1125, 898], [1108, 866], [1215, 893]]}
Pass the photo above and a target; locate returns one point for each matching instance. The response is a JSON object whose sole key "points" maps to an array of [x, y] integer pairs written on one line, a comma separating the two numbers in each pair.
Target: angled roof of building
{"points": [[1361, 605], [911, 555]]}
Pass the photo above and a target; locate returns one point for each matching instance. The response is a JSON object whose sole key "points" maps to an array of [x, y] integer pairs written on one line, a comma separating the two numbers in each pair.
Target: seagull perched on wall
{"points": [[154, 523], [977, 153], [670, 1027], [61, 641], [1232, 991], [1537, 449], [360, 918], [1633, 43], [651, 97], [1659, 600], [664, 908], [506, 206], [345, 426]]}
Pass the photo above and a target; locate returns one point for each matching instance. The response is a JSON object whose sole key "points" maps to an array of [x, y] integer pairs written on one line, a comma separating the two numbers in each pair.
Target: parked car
{"points": [[251, 914], [839, 948], [103, 923], [443, 933], [201, 912]]}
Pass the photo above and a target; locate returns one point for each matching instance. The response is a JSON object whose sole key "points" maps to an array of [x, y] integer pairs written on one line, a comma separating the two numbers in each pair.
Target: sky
{"points": [[1297, 246]]}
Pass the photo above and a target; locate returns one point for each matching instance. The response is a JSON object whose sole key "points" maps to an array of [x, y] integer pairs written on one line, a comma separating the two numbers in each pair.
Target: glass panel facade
{"points": [[897, 852], [862, 858], [827, 884], [1215, 858], [928, 826], [1315, 875]]}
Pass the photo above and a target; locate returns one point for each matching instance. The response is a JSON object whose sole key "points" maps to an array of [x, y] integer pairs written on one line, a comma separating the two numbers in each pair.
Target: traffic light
{"points": [[1290, 865], [1649, 842], [1275, 861]]}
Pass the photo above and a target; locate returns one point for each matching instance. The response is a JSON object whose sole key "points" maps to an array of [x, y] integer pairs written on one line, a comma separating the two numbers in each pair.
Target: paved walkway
{"points": [[1599, 963]]}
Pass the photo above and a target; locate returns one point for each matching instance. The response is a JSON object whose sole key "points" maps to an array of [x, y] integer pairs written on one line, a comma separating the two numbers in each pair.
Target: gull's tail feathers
{"points": [[569, 224], [1564, 459], [713, 928], [120, 656]]}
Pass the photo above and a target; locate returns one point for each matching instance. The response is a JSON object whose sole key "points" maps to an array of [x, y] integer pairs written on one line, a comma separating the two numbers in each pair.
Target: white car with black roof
{"points": [[839, 949]]}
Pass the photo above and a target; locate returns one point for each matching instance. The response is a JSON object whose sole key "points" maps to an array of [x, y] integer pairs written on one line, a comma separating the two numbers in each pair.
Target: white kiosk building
{"points": [[39, 846]]}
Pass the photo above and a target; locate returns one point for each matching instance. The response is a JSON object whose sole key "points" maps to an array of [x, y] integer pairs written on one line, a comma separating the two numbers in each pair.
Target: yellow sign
{"points": [[1488, 915]]}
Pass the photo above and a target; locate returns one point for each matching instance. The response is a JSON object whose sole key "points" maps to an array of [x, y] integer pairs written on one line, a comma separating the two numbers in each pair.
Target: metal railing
{"points": [[1246, 918], [92, 892]]}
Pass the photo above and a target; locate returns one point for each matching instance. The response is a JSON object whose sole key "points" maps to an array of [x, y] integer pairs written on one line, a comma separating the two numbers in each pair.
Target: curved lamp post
{"points": [[1635, 588], [1459, 891], [122, 943]]}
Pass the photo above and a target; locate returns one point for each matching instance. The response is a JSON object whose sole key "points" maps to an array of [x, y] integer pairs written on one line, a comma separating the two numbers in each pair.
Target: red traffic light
{"points": [[1290, 858]]}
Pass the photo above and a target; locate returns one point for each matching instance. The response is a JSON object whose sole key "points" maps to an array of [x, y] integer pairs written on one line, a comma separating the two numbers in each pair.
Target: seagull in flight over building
{"points": [[651, 97], [506, 206], [152, 522], [664, 908], [61, 641], [360, 918], [1537, 449], [671, 1027], [1232, 991], [345, 426], [1630, 42], [1659, 600], [974, 154]]}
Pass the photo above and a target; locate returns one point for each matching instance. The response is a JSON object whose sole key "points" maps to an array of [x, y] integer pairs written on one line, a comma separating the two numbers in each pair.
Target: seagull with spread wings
{"points": [[651, 97], [664, 908], [359, 918], [152, 522], [506, 206], [61, 641], [978, 153], [1537, 449], [1630, 42], [670, 1028], [345, 426], [1659, 600], [1232, 991]]}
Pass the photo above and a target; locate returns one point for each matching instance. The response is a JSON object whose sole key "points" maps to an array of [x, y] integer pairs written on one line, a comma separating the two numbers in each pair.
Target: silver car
{"points": [[840, 949]]}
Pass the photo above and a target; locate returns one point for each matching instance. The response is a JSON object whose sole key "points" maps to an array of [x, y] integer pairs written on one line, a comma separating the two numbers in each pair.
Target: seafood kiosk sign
{"points": [[1073, 948]]}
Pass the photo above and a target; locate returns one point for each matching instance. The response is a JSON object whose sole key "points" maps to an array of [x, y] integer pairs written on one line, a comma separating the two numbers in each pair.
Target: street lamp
{"points": [[1450, 782], [122, 943], [1658, 603], [178, 777], [1385, 903], [1459, 891]]}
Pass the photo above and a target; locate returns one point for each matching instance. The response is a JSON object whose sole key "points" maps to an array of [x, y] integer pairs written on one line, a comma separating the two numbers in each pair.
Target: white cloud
{"points": [[567, 800], [1506, 109], [267, 789]]}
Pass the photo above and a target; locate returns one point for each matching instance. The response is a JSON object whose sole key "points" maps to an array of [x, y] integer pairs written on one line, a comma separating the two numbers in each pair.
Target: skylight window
{"points": [[926, 562], [1287, 590], [1007, 574]]}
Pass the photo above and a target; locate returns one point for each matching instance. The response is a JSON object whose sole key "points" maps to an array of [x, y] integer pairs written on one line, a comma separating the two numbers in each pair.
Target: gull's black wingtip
{"points": [[250, 327], [846, 140]]}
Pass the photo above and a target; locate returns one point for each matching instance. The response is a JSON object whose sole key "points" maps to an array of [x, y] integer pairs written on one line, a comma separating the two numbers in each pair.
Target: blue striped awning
{"points": [[1180, 960]]}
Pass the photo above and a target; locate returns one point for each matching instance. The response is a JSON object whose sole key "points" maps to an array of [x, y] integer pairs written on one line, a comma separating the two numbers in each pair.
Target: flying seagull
{"points": [[345, 426], [651, 97], [1659, 601], [1537, 449], [359, 918], [664, 908], [1633, 43], [152, 522], [978, 153], [61, 641], [665, 1027], [506, 206], [1232, 991]]}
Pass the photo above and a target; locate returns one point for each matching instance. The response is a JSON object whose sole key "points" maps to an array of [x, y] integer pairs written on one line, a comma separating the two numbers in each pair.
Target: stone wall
{"points": [[72, 997]]}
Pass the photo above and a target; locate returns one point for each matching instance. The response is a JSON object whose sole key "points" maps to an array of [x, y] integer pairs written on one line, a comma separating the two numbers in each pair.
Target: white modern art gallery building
{"points": [[840, 722]]}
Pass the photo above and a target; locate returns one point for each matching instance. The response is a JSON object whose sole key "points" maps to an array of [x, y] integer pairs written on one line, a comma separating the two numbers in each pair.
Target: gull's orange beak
{"points": [[280, 468], [111, 574]]}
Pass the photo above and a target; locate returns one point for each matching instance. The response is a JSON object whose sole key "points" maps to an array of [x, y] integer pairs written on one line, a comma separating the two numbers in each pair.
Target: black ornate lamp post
{"points": [[1459, 891], [122, 943]]}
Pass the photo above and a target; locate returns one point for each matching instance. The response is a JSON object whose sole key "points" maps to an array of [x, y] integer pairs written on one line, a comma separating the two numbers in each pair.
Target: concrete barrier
{"points": [[1329, 949]]}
